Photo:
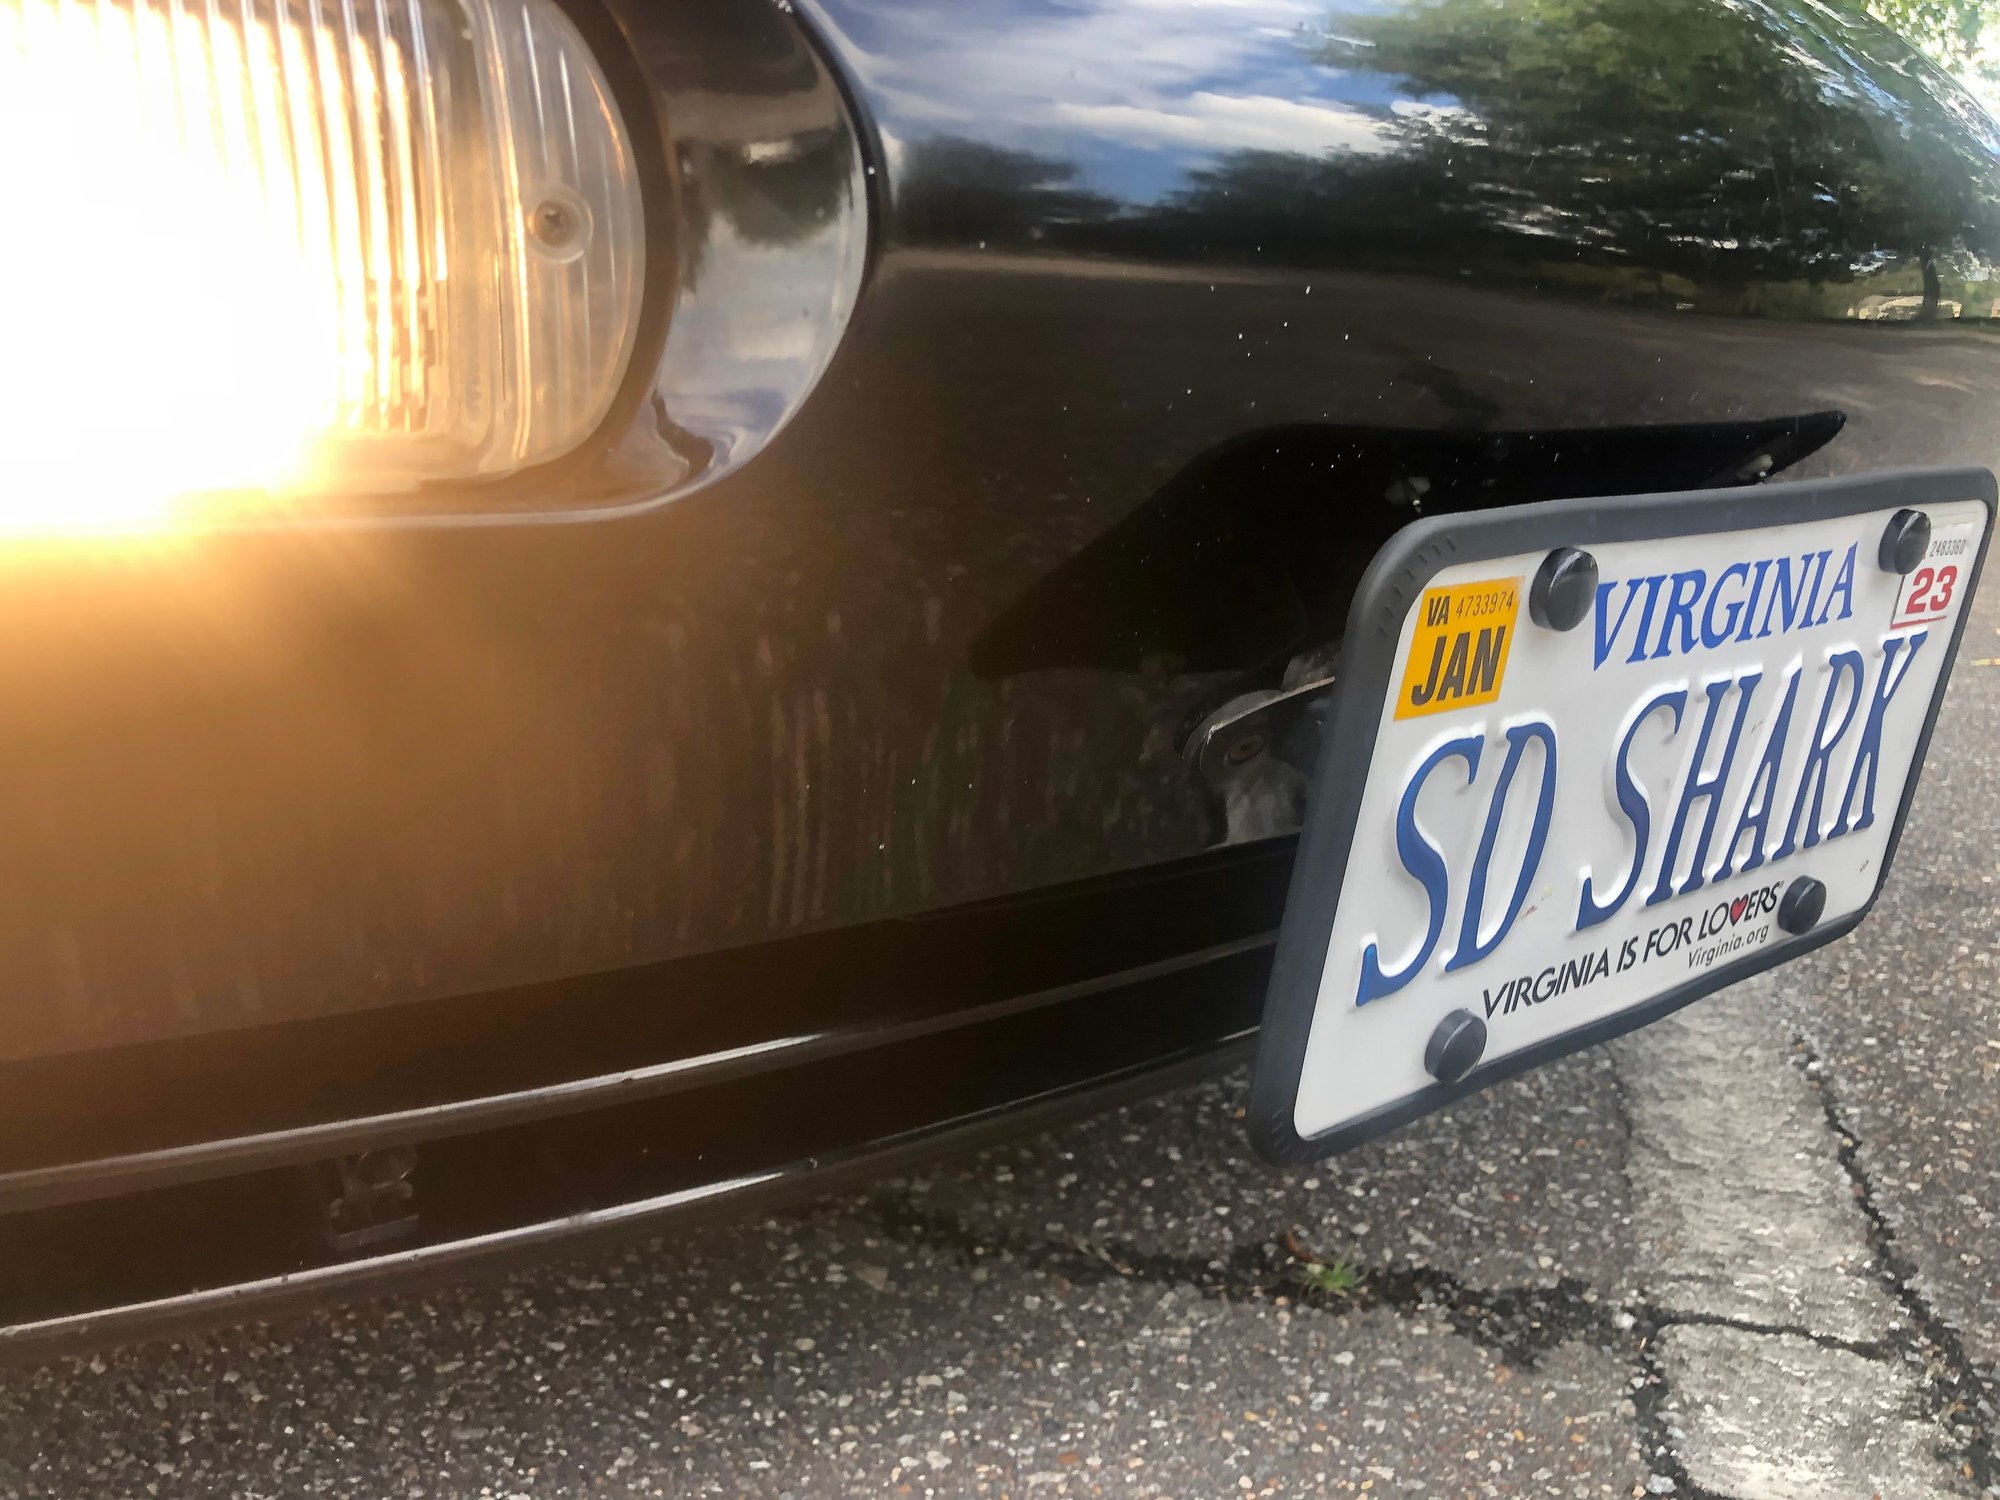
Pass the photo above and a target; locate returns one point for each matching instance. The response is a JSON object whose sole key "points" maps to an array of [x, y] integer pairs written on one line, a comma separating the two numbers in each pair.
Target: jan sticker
{"points": [[1458, 655]]}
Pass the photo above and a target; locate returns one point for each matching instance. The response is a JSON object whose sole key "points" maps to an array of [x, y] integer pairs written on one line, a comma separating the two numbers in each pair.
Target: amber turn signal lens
{"points": [[261, 250]]}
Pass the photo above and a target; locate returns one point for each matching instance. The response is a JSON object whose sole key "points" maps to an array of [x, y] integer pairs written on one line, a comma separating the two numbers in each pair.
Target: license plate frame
{"points": [[1374, 660]]}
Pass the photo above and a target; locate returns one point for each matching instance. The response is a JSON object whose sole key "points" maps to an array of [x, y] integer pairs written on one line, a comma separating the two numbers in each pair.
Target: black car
{"points": [[613, 610]]}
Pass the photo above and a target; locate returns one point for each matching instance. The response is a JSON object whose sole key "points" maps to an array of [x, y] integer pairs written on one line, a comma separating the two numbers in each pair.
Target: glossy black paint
{"points": [[271, 775], [1161, 320]]}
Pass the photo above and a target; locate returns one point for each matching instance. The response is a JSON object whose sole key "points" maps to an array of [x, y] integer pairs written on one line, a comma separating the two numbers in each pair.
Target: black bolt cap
{"points": [[1560, 596], [1802, 905], [1905, 540], [1455, 1046]]}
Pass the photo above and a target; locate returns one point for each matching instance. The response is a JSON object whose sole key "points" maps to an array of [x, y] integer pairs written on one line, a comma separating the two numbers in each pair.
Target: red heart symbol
{"points": [[1736, 909]]}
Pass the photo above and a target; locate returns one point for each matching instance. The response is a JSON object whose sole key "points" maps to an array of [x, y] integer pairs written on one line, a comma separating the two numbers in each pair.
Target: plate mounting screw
{"points": [[1455, 1046], [1802, 905], [1905, 540], [1244, 750], [1565, 584]]}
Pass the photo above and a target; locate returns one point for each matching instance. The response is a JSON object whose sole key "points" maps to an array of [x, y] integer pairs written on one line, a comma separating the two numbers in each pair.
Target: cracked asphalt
{"points": [[1752, 1252]]}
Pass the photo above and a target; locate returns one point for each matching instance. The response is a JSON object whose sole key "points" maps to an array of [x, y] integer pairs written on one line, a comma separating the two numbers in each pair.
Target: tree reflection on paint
{"points": [[1793, 158], [1663, 149]]}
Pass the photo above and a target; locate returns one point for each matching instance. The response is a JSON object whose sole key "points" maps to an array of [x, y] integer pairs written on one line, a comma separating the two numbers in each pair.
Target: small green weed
{"points": [[1336, 1278]]}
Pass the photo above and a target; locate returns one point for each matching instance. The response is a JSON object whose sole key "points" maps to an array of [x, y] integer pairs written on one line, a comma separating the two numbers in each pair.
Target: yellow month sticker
{"points": [[1458, 656]]}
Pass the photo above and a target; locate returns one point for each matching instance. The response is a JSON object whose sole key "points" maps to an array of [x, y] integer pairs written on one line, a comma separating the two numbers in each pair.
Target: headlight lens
{"points": [[264, 248]]}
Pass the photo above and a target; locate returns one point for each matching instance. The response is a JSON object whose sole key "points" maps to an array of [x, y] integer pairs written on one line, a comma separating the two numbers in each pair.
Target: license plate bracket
{"points": [[1409, 823]]}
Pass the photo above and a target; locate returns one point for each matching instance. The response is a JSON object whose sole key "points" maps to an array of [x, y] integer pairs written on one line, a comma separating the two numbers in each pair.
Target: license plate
{"points": [[1555, 804]]}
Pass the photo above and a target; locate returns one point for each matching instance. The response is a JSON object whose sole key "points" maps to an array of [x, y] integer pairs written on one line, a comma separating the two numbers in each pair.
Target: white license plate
{"points": [[1524, 838]]}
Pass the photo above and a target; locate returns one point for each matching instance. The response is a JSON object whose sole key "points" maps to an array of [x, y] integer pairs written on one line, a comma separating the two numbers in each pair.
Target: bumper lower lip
{"points": [[226, 1176], [102, 1177], [723, 1196]]}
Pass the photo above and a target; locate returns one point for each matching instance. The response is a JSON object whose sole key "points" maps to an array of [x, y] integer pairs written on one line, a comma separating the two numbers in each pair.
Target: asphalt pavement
{"points": [[1751, 1252]]}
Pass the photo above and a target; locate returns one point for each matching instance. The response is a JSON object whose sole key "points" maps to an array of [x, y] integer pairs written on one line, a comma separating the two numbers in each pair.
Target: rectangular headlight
{"points": [[270, 247]]}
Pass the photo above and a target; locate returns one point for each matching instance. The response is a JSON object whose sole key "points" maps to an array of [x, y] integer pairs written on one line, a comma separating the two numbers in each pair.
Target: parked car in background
{"points": [[1903, 309]]}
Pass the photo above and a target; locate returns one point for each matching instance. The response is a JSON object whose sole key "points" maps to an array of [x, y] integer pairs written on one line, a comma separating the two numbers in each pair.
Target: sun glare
{"points": [[195, 290]]}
